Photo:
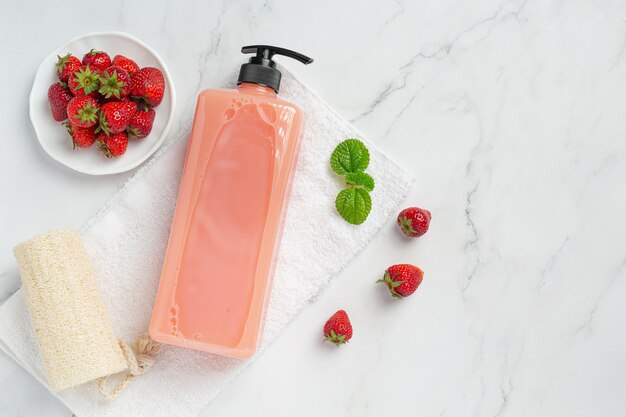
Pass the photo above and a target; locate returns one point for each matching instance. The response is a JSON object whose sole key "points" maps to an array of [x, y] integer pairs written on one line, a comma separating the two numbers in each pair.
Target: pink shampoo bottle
{"points": [[240, 159]]}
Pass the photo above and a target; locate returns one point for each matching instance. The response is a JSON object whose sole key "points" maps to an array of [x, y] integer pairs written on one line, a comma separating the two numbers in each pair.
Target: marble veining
{"points": [[510, 115]]}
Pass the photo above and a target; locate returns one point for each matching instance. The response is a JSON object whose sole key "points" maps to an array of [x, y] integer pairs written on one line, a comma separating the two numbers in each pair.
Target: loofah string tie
{"points": [[139, 361]]}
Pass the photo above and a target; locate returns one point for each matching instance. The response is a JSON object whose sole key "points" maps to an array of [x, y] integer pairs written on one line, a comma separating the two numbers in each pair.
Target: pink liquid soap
{"points": [[240, 159]]}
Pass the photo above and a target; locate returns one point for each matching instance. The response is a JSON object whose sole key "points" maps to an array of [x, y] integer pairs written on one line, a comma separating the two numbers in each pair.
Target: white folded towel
{"points": [[126, 241]]}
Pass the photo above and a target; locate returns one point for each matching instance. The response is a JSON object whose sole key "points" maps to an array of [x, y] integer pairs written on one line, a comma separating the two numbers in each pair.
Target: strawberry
{"points": [[115, 116], [66, 65], [141, 123], [82, 137], [97, 59], [85, 82], [414, 221], [82, 111], [148, 87], [114, 145], [58, 97], [338, 329], [126, 64], [402, 279], [114, 81]]}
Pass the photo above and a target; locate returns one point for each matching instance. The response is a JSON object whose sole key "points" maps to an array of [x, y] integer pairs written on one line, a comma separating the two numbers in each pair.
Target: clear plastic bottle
{"points": [[240, 159]]}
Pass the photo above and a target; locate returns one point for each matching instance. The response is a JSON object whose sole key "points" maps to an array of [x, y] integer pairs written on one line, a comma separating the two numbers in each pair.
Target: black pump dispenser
{"points": [[260, 69]]}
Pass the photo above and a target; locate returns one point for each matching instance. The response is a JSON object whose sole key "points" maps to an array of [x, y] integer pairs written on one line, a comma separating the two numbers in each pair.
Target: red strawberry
{"points": [[66, 65], [148, 86], [114, 81], [338, 329], [402, 279], [115, 116], [85, 82], [126, 64], [58, 97], [114, 145], [414, 221], [82, 137], [83, 111], [141, 123], [97, 60]]}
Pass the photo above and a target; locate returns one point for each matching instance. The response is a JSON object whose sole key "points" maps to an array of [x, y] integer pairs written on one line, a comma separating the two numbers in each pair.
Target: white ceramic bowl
{"points": [[53, 136]]}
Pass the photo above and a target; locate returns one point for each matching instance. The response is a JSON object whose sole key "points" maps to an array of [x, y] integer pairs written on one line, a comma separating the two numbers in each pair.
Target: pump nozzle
{"points": [[267, 52], [260, 69]]}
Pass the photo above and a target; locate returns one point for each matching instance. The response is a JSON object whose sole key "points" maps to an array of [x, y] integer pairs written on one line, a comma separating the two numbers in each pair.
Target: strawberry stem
{"points": [[391, 283]]}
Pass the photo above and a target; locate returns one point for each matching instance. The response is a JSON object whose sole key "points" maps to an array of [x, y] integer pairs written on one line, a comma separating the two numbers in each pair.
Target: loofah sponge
{"points": [[75, 338]]}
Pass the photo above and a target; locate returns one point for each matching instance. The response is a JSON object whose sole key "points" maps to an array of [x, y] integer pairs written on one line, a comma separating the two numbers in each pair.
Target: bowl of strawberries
{"points": [[102, 103]]}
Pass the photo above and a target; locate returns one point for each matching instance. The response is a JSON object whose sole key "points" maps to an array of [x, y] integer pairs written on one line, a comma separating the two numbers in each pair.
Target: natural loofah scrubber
{"points": [[75, 338]]}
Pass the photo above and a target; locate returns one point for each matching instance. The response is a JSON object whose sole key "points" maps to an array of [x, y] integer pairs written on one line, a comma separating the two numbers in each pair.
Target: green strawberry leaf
{"points": [[354, 205], [349, 156], [360, 179]]}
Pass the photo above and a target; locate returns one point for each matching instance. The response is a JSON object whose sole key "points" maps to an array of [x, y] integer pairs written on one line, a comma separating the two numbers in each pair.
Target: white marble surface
{"points": [[511, 116]]}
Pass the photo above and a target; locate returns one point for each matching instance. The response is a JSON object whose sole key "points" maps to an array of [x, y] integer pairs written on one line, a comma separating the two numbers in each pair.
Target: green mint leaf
{"points": [[354, 205], [360, 179], [349, 156]]}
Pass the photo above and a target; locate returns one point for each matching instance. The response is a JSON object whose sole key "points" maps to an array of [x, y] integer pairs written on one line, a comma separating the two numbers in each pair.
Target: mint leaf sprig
{"points": [[349, 159]]}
